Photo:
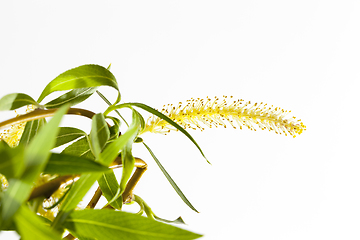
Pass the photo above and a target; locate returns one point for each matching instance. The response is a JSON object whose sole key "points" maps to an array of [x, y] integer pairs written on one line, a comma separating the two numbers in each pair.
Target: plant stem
{"points": [[42, 113], [47, 189], [69, 237], [94, 200], [133, 181]]}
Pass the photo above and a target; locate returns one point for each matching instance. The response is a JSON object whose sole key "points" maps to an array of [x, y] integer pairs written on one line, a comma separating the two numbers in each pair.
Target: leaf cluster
{"points": [[86, 158]]}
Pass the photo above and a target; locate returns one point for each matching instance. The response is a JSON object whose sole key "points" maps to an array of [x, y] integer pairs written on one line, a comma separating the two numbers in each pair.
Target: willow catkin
{"points": [[201, 113]]}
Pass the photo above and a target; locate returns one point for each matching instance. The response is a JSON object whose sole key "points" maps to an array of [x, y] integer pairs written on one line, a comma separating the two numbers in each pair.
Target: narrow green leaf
{"points": [[80, 77], [171, 181], [62, 164], [76, 193], [115, 129], [127, 158], [30, 130], [179, 220], [60, 200], [38, 151], [16, 194], [12, 160], [109, 186], [107, 224], [150, 214], [82, 186], [108, 102], [139, 140], [32, 227], [99, 134], [160, 115], [68, 134], [15, 100], [143, 124], [35, 158], [9, 227], [112, 150], [79, 148], [72, 97], [128, 161]]}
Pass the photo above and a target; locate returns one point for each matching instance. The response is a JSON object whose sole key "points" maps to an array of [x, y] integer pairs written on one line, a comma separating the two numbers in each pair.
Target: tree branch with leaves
{"points": [[41, 189]]}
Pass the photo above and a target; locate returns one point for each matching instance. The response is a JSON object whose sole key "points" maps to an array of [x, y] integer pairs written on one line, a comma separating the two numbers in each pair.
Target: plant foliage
{"points": [[41, 188], [32, 173]]}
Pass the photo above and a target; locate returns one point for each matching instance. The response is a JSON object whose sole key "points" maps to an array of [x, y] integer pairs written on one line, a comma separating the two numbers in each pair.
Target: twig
{"points": [[42, 113], [94, 200], [47, 189]]}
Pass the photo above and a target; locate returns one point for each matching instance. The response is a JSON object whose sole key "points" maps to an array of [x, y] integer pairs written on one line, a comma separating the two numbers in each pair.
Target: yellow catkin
{"points": [[226, 112], [13, 134], [3, 183], [12, 137], [50, 213]]}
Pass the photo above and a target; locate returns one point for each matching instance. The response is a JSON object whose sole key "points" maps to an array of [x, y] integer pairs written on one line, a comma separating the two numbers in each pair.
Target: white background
{"points": [[302, 56]]}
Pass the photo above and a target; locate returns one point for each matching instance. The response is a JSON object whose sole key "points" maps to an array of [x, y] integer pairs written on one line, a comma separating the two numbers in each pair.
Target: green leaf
{"points": [[111, 150], [82, 186], [128, 161], [15, 100], [80, 77], [12, 160], [109, 186], [150, 214], [142, 121], [32, 227], [30, 130], [72, 97], [68, 134], [10, 227], [107, 224], [35, 158], [79, 148], [115, 129], [38, 151], [77, 192], [160, 115], [60, 200], [171, 181], [16, 194], [62, 164], [99, 134], [139, 140], [127, 158], [108, 102]]}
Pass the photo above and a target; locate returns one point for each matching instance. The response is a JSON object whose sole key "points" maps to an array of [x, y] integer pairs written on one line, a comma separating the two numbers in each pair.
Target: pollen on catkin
{"points": [[226, 112], [45, 209], [13, 134]]}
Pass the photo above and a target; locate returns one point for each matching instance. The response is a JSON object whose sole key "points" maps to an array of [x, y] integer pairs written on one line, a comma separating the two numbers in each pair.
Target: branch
{"points": [[47, 189], [42, 113]]}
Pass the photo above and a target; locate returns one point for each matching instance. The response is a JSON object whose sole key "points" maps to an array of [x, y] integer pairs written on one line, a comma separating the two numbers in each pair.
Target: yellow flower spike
{"points": [[43, 209], [199, 113], [12, 135], [3, 183]]}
